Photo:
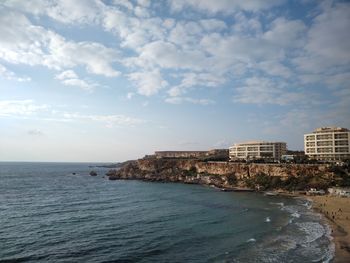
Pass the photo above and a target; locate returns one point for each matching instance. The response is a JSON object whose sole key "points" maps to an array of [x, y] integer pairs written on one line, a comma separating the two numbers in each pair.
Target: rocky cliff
{"points": [[228, 175]]}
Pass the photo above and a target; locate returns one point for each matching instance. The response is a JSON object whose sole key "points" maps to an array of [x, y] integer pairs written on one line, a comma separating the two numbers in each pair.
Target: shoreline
{"points": [[336, 212]]}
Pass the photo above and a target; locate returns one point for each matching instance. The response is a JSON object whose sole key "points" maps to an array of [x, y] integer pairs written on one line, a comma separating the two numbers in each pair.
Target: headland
{"points": [[285, 178]]}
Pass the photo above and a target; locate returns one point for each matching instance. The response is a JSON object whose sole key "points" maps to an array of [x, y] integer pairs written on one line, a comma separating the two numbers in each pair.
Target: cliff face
{"points": [[220, 174]]}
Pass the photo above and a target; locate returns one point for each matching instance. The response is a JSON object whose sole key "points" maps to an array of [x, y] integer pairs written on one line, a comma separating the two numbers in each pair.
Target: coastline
{"points": [[336, 211]]}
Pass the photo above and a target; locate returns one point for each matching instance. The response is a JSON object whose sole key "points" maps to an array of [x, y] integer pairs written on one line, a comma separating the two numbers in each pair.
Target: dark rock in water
{"points": [[93, 173], [113, 178], [111, 173], [74, 173]]}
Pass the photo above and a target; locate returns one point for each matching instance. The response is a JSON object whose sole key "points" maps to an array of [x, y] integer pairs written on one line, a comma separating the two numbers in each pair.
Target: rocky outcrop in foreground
{"points": [[228, 175]]}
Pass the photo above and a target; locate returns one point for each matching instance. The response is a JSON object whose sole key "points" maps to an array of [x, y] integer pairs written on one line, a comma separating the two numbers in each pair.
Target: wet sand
{"points": [[337, 211]]}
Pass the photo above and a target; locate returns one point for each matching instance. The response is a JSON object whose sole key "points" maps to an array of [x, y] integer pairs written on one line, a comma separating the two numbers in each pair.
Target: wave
{"points": [[281, 204], [313, 231], [251, 240]]}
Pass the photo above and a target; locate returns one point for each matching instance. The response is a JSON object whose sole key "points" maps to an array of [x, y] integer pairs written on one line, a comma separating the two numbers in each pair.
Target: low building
{"points": [[294, 157], [257, 150], [328, 144], [180, 154], [215, 153], [314, 191], [339, 191]]}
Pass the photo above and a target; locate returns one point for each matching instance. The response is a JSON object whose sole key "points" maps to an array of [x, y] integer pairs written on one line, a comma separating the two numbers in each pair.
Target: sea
{"points": [[57, 212]]}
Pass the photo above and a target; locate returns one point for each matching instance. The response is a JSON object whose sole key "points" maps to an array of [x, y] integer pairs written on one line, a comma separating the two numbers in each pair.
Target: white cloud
{"points": [[224, 6], [130, 95], [20, 108], [213, 24], [35, 132], [64, 11], [124, 3], [141, 12], [265, 91], [167, 55], [97, 58], [30, 110], [108, 120], [180, 100], [70, 78], [246, 25], [144, 3], [22, 42], [328, 36], [10, 75], [275, 68], [285, 33], [68, 74], [148, 83], [328, 44], [78, 83], [190, 80], [187, 33]]}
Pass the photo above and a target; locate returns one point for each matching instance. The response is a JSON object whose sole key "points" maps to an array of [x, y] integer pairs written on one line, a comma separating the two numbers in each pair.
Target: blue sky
{"points": [[98, 80]]}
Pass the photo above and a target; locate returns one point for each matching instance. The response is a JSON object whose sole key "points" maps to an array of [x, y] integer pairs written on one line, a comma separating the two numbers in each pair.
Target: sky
{"points": [[112, 80]]}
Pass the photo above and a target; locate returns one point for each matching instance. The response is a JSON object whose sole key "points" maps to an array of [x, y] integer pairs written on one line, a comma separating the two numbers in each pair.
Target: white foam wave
{"points": [[251, 240], [313, 231], [296, 215], [281, 204], [267, 219]]}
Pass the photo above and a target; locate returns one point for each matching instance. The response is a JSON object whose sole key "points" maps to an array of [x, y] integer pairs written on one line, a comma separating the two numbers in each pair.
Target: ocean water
{"points": [[47, 214]]}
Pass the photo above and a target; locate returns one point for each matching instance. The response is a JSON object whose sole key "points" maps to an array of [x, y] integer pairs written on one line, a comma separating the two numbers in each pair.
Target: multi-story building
{"points": [[328, 144], [258, 150]]}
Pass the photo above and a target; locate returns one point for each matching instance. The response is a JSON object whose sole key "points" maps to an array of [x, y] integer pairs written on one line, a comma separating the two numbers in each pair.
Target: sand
{"points": [[337, 211]]}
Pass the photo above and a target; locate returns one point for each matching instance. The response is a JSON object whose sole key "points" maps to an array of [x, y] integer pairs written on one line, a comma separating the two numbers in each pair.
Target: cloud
{"points": [[70, 78], [285, 33], [173, 54], [180, 100], [275, 68], [20, 108], [25, 43], [223, 6], [28, 109], [124, 3], [108, 120], [130, 95], [64, 11], [68, 74], [327, 43], [190, 80], [265, 91], [167, 55], [215, 25], [35, 132], [327, 36], [148, 83], [7, 74]]}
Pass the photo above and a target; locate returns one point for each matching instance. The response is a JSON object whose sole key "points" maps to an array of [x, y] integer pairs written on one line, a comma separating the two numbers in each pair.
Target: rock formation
{"points": [[227, 174]]}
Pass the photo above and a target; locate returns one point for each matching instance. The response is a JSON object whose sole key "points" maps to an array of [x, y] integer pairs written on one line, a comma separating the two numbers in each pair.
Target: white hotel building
{"points": [[328, 144], [257, 150]]}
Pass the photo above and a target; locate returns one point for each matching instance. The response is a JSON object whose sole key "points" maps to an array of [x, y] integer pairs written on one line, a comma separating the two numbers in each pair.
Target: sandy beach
{"points": [[337, 211]]}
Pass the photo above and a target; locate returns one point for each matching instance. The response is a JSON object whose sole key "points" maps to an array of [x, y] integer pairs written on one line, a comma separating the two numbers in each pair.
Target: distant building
{"points": [[179, 154], [215, 153], [258, 150], [328, 144], [339, 191]]}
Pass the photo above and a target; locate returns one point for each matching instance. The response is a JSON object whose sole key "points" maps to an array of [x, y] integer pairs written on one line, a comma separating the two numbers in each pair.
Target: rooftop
{"points": [[256, 142], [330, 129]]}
